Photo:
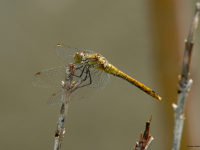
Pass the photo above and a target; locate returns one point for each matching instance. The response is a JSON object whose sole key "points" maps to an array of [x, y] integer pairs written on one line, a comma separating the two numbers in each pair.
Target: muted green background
{"points": [[124, 32]]}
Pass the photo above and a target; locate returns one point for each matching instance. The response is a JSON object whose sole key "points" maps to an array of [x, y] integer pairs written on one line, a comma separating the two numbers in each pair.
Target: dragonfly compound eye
{"points": [[78, 57]]}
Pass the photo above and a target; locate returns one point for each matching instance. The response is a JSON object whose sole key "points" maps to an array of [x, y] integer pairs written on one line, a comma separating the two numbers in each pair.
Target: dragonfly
{"points": [[90, 67]]}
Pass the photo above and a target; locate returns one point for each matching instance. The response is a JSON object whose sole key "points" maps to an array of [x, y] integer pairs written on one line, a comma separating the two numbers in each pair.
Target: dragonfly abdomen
{"points": [[116, 72]]}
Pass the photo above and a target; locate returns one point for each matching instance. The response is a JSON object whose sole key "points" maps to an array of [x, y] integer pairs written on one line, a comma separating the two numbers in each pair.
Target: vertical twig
{"points": [[68, 87], [146, 139], [184, 84]]}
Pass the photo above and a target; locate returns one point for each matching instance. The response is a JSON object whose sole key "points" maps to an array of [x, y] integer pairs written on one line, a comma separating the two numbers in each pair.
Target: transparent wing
{"points": [[50, 77], [56, 98], [99, 81], [66, 53]]}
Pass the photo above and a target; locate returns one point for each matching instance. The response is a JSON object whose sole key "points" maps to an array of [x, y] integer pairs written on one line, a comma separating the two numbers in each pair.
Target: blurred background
{"points": [[144, 39]]}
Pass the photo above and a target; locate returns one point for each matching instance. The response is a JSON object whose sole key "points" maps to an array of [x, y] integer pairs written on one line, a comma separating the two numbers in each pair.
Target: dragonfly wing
{"points": [[56, 98], [88, 51], [100, 80], [65, 52], [50, 77]]}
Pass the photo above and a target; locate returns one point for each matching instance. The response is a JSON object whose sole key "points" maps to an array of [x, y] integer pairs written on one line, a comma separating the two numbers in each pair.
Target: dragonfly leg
{"points": [[78, 67], [88, 74], [81, 72]]}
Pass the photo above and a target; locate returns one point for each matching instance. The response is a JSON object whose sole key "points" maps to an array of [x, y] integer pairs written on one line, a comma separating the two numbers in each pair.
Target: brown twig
{"points": [[188, 48], [184, 84], [146, 139], [68, 86]]}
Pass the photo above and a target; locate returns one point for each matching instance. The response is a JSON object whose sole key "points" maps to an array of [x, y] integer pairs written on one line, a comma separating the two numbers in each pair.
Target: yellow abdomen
{"points": [[113, 70]]}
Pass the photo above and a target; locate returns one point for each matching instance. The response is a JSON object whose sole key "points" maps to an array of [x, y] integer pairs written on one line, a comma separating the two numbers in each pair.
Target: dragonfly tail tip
{"points": [[159, 98]]}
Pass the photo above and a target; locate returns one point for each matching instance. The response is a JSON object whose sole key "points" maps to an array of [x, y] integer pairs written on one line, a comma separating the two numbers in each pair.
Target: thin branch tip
{"points": [[184, 84], [68, 86], [145, 139], [198, 6], [150, 118]]}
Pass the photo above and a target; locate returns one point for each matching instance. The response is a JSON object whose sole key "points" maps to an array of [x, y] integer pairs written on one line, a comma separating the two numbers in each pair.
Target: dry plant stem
{"points": [[188, 48], [68, 87], [184, 84], [146, 139]]}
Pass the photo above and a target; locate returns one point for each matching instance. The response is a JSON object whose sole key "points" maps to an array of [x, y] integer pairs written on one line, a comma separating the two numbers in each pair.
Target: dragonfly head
{"points": [[78, 57]]}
